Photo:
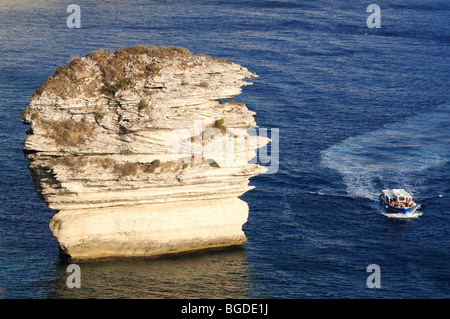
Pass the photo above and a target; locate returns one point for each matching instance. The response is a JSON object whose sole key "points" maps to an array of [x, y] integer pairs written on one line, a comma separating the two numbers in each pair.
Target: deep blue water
{"points": [[358, 110]]}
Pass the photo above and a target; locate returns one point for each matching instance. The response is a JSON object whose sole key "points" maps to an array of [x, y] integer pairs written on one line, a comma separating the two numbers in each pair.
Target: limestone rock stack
{"points": [[141, 152]]}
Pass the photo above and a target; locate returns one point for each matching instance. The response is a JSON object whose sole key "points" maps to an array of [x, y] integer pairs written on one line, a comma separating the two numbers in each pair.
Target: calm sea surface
{"points": [[358, 110]]}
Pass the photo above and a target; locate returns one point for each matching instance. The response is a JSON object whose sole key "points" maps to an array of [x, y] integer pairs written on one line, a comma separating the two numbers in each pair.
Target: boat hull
{"points": [[395, 210], [392, 210]]}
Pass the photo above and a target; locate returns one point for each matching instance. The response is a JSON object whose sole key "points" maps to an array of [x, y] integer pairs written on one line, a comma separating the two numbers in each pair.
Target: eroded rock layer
{"points": [[141, 152]]}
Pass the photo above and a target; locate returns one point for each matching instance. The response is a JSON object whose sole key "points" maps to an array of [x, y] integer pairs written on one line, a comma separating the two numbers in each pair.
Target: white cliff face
{"points": [[145, 230], [139, 156]]}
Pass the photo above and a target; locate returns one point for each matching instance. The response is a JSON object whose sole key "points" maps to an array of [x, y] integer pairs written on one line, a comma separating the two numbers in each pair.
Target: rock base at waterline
{"points": [[150, 230]]}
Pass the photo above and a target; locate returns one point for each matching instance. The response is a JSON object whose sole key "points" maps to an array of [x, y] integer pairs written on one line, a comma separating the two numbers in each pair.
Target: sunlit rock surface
{"points": [[142, 153]]}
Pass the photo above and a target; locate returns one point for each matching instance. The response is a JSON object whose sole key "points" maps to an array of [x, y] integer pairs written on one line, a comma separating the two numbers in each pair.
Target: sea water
{"points": [[358, 110]]}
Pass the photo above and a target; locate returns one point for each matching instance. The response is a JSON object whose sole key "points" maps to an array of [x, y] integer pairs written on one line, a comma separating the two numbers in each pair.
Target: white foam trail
{"points": [[402, 216], [391, 155]]}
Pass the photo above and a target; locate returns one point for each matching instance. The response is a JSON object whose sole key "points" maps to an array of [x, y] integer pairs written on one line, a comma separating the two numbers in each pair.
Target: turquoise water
{"points": [[358, 110]]}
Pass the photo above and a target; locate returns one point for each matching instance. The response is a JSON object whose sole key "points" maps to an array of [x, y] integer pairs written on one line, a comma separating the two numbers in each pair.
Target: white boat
{"points": [[398, 203]]}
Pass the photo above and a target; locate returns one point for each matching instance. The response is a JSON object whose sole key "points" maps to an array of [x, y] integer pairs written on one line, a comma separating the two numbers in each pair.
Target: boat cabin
{"points": [[396, 197]]}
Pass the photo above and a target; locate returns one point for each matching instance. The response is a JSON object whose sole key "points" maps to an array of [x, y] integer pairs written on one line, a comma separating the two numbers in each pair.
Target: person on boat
{"points": [[394, 202]]}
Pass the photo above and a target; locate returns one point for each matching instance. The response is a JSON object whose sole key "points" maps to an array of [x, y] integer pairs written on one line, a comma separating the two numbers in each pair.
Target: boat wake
{"points": [[392, 157], [413, 214], [402, 216]]}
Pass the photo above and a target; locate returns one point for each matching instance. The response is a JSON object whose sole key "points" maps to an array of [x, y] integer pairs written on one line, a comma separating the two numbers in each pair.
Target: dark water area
{"points": [[358, 110]]}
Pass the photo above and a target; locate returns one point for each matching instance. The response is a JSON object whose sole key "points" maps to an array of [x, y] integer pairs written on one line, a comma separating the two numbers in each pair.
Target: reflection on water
{"points": [[218, 273]]}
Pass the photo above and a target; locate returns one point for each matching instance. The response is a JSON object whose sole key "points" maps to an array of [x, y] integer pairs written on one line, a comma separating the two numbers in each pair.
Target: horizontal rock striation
{"points": [[141, 152]]}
